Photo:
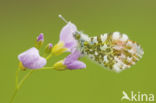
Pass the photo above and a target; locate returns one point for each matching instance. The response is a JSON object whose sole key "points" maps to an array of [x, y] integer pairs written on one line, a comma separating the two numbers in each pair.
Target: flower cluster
{"points": [[31, 59]]}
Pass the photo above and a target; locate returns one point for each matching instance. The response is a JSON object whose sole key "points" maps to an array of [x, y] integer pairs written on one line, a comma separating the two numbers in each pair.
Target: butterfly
{"points": [[112, 50]]}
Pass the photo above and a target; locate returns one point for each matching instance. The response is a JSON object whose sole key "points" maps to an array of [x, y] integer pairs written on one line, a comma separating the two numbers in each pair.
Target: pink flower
{"points": [[67, 42], [31, 59]]}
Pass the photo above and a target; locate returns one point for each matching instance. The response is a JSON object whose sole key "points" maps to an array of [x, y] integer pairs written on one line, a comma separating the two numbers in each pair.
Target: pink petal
{"points": [[76, 65], [66, 35], [31, 59]]}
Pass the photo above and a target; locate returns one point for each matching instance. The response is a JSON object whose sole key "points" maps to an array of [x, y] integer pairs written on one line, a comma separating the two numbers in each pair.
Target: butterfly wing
{"points": [[113, 50]]}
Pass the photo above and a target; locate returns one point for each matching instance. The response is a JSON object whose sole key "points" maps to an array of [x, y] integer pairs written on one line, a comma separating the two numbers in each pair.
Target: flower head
{"points": [[31, 59], [71, 62], [67, 41]]}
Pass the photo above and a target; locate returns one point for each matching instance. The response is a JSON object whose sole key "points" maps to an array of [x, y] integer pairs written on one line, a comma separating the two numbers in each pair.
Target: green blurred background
{"points": [[22, 20]]}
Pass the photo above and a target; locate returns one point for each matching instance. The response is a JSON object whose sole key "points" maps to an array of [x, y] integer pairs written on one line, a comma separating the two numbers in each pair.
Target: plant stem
{"points": [[24, 78], [46, 68], [13, 96], [20, 84], [49, 56], [17, 72]]}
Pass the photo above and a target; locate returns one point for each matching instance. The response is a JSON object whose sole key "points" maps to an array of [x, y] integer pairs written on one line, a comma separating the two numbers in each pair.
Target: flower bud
{"points": [[60, 66], [48, 48], [59, 49], [39, 40]]}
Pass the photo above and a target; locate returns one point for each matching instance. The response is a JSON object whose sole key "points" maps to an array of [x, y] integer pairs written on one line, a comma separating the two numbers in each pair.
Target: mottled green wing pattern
{"points": [[113, 50]]}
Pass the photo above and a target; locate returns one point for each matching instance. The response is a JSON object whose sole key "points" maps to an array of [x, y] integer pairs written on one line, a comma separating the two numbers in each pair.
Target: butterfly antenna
{"points": [[61, 17]]}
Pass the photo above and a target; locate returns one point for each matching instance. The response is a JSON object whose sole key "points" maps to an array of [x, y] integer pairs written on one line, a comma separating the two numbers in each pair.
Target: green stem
{"points": [[46, 68], [13, 96], [20, 84], [24, 78], [49, 56], [17, 72]]}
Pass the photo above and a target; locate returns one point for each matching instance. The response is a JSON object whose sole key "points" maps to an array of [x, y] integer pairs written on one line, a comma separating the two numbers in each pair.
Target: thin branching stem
{"points": [[19, 84]]}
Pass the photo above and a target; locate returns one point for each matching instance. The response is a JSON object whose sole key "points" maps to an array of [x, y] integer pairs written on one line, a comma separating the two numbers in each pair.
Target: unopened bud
{"points": [[60, 66], [48, 48], [40, 37], [39, 40], [59, 48]]}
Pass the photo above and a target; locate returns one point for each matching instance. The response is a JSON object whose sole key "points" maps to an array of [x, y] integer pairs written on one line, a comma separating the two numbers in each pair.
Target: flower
{"points": [[66, 35], [70, 62], [67, 41], [31, 59]]}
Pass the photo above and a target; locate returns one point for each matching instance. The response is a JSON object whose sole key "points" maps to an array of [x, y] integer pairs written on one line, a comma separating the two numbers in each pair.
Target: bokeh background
{"points": [[22, 20]]}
